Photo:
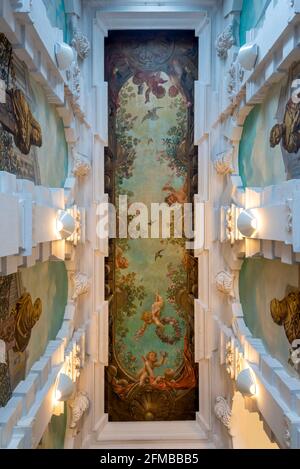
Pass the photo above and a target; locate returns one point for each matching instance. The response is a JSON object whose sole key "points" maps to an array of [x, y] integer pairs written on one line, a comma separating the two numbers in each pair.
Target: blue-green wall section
{"points": [[259, 164], [260, 281], [57, 15], [252, 16]]}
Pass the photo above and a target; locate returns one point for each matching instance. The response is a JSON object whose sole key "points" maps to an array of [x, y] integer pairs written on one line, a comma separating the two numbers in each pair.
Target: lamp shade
{"points": [[245, 383], [65, 224], [64, 55], [247, 55], [247, 223], [64, 388]]}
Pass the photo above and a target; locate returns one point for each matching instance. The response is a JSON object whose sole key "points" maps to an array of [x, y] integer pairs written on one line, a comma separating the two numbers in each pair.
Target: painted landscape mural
{"points": [[151, 283], [32, 146]]}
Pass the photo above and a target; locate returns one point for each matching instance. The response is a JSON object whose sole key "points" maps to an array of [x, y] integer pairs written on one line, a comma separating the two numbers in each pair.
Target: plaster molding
{"points": [[27, 236], [81, 44], [223, 411], [81, 165], [225, 40], [235, 76], [223, 163], [73, 76], [79, 405], [225, 283], [81, 284]]}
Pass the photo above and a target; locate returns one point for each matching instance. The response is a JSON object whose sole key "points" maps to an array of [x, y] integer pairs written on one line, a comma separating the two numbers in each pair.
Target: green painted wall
{"points": [[261, 280], [259, 164], [57, 15], [54, 435], [48, 281], [252, 16], [53, 154]]}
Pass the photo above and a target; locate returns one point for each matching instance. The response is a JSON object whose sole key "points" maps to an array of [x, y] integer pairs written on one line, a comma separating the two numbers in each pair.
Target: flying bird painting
{"points": [[158, 254], [152, 114]]}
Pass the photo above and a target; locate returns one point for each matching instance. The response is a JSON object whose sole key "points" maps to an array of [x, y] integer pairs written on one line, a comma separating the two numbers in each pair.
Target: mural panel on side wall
{"points": [[32, 140], [32, 305], [152, 282], [259, 164], [32, 146], [269, 294], [269, 151]]}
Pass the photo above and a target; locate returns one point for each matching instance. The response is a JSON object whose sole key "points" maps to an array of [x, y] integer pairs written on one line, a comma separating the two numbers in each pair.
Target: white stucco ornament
{"points": [[223, 411], [73, 76], [224, 42], [79, 405], [223, 163], [81, 166], [81, 44], [81, 284], [224, 282], [235, 77]]}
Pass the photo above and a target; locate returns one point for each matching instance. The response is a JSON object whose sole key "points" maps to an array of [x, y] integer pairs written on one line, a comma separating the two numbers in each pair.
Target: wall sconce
{"points": [[247, 223], [246, 383], [64, 55], [65, 224], [64, 388], [247, 55]]}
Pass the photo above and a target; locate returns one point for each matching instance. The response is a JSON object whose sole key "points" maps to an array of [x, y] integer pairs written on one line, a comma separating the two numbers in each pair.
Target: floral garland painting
{"points": [[151, 373]]}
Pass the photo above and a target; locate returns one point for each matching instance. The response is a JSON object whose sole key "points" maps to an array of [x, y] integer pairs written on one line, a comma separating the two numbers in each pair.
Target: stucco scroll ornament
{"points": [[224, 282], [225, 41], [234, 78], [81, 284], [81, 44], [223, 163], [81, 165], [79, 405], [73, 76], [223, 411]]}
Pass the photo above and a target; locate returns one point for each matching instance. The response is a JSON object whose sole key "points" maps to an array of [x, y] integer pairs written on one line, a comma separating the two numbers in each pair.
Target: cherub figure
{"points": [[121, 261], [151, 317], [150, 363], [175, 195]]}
